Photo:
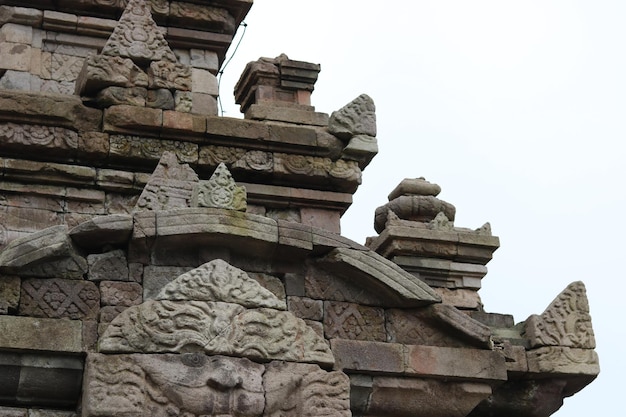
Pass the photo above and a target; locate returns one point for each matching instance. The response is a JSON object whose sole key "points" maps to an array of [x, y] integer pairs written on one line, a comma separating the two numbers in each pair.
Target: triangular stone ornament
{"points": [[566, 321], [137, 37], [170, 186], [220, 191], [355, 118]]}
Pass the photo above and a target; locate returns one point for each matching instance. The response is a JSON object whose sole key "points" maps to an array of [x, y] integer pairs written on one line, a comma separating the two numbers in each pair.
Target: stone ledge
{"points": [[48, 109], [415, 360]]}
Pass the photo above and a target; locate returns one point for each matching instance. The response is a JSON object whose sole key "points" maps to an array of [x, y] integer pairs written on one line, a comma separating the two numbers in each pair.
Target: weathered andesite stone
{"points": [[159, 260]]}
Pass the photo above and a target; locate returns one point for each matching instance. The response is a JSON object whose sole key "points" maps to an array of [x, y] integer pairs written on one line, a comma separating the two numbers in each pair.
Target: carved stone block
{"points": [[145, 148], [32, 333], [9, 294], [115, 293], [354, 321], [306, 308], [220, 191], [356, 118], [160, 99], [299, 390], [37, 136], [56, 298], [113, 96], [193, 320], [110, 266], [65, 67], [566, 321], [101, 71], [137, 37], [190, 385], [170, 186], [563, 360], [169, 75]]}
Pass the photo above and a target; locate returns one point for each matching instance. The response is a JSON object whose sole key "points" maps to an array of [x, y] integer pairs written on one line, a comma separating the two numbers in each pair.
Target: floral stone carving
{"points": [[220, 191], [219, 281], [190, 315], [566, 322]]}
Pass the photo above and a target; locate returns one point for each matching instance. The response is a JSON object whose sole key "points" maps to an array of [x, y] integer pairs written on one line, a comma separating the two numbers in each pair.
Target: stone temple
{"points": [[157, 260]]}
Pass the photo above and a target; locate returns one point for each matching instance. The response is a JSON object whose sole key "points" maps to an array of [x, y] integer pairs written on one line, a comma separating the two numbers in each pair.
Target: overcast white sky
{"points": [[516, 109]]}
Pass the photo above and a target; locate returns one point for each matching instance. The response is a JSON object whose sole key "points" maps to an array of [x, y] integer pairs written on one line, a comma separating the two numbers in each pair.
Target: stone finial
{"points": [[566, 321], [279, 81], [220, 191], [170, 186], [414, 199]]}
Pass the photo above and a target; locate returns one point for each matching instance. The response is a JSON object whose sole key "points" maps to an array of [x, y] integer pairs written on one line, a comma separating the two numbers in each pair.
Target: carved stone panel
{"points": [[38, 136], [356, 118], [354, 321], [186, 318], [170, 186], [58, 298], [137, 36]]}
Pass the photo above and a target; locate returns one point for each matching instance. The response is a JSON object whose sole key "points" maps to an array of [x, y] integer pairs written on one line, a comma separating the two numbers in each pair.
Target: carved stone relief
{"points": [[220, 191], [137, 36], [566, 321], [195, 385], [198, 312], [170, 186], [356, 118]]}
